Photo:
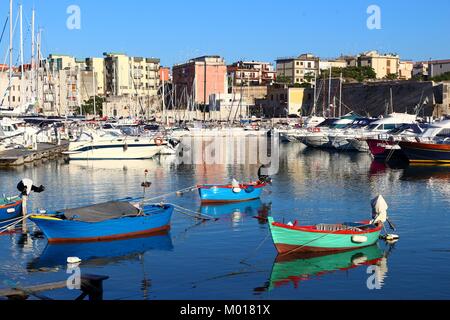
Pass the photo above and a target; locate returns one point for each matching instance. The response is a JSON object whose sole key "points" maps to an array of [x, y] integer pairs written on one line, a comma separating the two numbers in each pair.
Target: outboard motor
{"points": [[26, 187], [379, 210]]}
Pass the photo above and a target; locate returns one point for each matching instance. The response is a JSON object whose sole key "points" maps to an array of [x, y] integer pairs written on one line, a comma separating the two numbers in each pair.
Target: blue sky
{"points": [[177, 30]]}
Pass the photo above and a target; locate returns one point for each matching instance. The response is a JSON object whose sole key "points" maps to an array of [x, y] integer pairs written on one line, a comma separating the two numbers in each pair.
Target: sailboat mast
{"points": [[32, 54], [21, 40], [329, 90], [94, 88], [10, 50], [315, 95], [340, 95], [164, 100]]}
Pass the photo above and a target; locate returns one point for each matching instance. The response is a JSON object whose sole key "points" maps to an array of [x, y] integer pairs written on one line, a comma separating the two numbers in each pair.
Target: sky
{"points": [[178, 30]]}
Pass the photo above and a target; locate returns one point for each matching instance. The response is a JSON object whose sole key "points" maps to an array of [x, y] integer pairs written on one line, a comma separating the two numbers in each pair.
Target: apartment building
{"points": [[251, 73], [136, 76], [197, 79], [383, 64], [298, 70], [439, 67], [405, 70]]}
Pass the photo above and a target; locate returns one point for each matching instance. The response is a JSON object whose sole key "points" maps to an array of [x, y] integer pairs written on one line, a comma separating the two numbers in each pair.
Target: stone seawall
{"points": [[374, 99]]}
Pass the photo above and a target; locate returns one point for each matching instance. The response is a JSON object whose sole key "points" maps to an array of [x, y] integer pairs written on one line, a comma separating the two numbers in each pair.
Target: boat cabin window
{"points": [[444, 133], [389, 126], [374, 127]]}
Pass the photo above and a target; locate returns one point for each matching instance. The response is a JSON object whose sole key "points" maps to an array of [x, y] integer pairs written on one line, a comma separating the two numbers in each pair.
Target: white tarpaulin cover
{"points": [[380, 208]]}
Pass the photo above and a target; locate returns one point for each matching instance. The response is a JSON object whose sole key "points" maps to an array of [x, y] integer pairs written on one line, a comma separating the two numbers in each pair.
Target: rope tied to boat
{"points": [[12, 226], [189, 189], [192, 213]]}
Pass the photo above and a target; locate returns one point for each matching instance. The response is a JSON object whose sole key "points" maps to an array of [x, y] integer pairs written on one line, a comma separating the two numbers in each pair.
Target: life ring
{"points": [[316, 130], [159, 141]]}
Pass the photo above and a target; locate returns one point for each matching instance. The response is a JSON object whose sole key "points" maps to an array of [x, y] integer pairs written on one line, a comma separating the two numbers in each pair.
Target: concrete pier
{"points": [[19, 157]]}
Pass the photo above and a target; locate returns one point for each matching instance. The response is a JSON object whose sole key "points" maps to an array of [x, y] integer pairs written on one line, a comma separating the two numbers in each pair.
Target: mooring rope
{"points": [[192, 213], [14, 224], [190, 189], [256, 250]]}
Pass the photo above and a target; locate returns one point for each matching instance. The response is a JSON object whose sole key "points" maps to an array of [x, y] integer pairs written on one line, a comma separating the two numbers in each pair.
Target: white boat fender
{"points": [[73, 260], [359, 239], [237, 190], [11, 210]]}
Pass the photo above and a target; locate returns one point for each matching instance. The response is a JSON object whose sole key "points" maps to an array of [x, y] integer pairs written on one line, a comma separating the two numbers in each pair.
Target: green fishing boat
{"points": [[292, 238]]}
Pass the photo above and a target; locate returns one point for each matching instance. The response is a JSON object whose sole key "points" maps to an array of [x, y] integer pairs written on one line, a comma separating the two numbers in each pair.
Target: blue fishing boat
{"points": [[231, 193], [10, 208], [104, 222], [100, 253]]}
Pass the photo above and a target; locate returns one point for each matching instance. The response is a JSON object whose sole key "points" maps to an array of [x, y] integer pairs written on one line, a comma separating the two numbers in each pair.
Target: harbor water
{"points": [[234, 257]]}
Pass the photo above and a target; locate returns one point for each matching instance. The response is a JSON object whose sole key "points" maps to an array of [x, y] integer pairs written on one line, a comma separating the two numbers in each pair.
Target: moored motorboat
{"points": [[104, 222], [426, 153], [112, 146]]}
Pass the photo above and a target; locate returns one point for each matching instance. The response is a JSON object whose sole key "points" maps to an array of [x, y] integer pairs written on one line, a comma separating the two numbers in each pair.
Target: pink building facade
{"points": [[199, 78]]}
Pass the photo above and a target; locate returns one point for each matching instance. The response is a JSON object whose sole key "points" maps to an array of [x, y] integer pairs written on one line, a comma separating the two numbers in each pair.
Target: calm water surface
{"points": [[234, 258]]}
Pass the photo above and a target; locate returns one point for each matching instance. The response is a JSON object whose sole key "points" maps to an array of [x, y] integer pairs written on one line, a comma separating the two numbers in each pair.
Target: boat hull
{"points": [[10, 208], [116, 151], [426, 152], [226, 194], [383, 149], [292, 239], [66, 231], [317, 141], [359, 144]]}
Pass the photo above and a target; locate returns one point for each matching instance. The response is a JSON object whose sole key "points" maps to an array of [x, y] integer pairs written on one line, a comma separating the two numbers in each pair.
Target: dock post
{"points": [[24, 213]]}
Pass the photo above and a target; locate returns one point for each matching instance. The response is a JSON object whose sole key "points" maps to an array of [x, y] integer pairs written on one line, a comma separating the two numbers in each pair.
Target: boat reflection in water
{"points": [[100, 253], [237, 211], [293, 269], [426, 172]]}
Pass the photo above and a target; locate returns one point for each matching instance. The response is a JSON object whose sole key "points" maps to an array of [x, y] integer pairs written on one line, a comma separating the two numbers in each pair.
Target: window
{"points": [[445, 133], [309, 64], [389, 126]]}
